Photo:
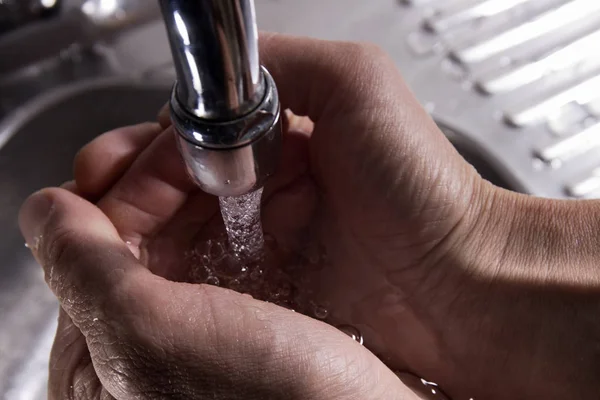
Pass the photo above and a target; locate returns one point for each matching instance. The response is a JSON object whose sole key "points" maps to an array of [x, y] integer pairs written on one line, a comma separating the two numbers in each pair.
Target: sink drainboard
{"points": [[520, 81]]}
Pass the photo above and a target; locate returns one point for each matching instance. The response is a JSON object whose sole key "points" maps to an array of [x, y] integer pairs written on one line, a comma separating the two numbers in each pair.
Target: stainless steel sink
{"points": [[50, 110], [84, 72], [39, 154]]}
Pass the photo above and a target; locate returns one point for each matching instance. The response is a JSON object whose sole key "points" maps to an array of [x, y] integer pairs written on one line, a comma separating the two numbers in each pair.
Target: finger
{"points": [[86, 264], [71, 372], [164, 116], [150, 192], [296, 123], [281, 349], [293, 163], [103, 161]]}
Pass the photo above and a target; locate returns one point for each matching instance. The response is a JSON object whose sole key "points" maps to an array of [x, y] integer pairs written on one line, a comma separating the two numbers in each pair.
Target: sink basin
{"points": [[39, 153]]}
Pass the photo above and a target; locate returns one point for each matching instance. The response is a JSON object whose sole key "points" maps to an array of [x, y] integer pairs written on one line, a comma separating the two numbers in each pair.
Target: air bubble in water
{"points": [[320, 312], [199, 274], [352, 332], [235, 284], [425, 389], [213, 280], [229, 266], [216, 250], [256, 274], [434, 389]]}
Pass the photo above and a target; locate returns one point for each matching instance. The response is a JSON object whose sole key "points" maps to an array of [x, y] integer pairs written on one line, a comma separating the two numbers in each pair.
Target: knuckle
{"points": [[59, 245], [366, 53], [59, 248]]}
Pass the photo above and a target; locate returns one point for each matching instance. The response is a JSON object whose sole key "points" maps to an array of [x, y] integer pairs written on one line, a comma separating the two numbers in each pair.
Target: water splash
{"points": [[353, 332], [320, 312], [425, 389], [245, 260]]}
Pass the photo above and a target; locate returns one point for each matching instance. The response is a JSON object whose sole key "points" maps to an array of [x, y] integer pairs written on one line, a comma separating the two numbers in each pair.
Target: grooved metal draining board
{"points": [[516, 80]]}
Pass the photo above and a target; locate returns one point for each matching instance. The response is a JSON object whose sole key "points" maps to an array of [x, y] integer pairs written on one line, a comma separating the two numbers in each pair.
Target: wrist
{"points": [[527, 298]]}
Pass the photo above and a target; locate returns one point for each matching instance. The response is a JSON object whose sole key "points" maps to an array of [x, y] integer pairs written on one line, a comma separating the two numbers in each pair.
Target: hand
{"points": [[416, 257], [126, 332]]}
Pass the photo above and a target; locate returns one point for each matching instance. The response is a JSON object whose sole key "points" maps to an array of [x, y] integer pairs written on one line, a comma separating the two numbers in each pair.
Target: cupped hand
{"points": [[412, 236], [130, 328]]}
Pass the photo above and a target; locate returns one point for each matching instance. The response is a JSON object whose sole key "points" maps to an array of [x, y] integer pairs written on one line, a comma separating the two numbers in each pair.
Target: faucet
{"points": [[224, 104]]}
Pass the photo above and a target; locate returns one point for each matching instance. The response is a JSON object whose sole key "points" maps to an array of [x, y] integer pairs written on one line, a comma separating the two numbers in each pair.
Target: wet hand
{"points": [[125, 332], [421, 254]]}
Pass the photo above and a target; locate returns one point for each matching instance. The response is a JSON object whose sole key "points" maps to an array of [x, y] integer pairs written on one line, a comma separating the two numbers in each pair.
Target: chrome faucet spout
{"points": [[224, 105], [215, 48]]}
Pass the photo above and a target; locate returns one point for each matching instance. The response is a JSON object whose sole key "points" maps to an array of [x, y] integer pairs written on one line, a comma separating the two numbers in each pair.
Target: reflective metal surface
{"points": [[16, 13], [215, 48], [224, 106], [516, 81], [59, 87], [79, 23], [231, 158], [40, 153], [50, 107]]}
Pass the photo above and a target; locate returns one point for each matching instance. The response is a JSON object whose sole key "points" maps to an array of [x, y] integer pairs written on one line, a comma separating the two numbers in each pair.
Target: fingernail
{"points": [[33, 217]]}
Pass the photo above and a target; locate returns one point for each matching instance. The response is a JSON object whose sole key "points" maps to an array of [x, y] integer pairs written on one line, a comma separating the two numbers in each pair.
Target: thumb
{"points": [[86, 264]]}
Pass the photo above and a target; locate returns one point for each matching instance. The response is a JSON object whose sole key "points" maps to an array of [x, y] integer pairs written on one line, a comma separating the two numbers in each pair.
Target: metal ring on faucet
{"points": [[231, 158]]}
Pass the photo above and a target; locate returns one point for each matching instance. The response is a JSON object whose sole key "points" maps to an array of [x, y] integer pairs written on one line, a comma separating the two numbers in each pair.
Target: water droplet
{"points": [[423, 388], [320, 312], [216, 250], [36, 243], [228, 182], [95, 319], [285, 289], [198, 273], [213, 280], [353, 332], [26, 245], [434, 389], [128, 243], [256, 274], [229, 266], [235, 284]]}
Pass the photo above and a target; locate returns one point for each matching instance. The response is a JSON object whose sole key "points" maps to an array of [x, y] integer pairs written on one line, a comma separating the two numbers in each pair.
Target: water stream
{"points": [[241, 216]]}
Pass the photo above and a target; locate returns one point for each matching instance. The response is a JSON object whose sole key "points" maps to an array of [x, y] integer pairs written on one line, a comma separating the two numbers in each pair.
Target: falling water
{"points": [[241, 215]]}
